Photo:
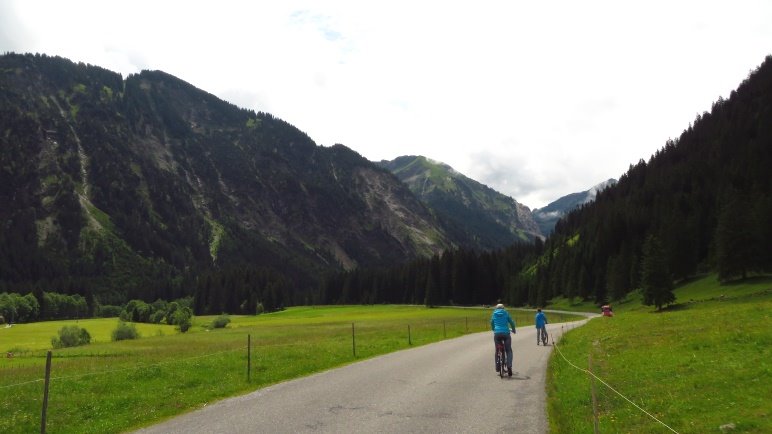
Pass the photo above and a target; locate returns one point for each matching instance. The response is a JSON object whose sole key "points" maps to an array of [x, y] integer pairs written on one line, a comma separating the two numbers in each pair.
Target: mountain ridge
{"points": [[108, 175], [700, 204], [479, 214], [547, 216]]}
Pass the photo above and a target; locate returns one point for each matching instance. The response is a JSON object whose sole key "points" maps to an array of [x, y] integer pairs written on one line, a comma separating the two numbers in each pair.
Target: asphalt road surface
{"points": [[447, 387]]}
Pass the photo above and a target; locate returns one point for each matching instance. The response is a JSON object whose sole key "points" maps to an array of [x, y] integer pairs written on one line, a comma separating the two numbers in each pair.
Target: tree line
{"points": [[455, 277], [702, 203], [17, 308], [704, 198]]}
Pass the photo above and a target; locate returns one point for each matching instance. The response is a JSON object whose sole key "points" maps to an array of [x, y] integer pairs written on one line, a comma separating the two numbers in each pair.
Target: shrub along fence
{"points": [[115, 386]]}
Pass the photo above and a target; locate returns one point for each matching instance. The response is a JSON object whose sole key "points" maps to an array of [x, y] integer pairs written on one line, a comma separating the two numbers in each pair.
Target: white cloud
{"points": [[535, 99]]}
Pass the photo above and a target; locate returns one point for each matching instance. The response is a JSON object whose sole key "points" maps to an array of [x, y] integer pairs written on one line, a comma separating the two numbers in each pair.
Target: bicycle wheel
{"points": [[501, 356]]}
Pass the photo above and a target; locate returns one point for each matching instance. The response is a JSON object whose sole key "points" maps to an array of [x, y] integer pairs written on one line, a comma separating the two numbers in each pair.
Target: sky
{"points": [[534, 99]]}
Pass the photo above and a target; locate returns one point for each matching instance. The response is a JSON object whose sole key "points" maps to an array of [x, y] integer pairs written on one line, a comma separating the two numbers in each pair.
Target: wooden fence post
{"points": [[409, 340], [353, 341], [249, 357], [45, 394], [444, 330], [596, 429]]}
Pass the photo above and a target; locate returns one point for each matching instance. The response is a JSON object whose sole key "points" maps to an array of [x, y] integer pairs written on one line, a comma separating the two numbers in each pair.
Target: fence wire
{"points": [[588, 372], [132, 368]]}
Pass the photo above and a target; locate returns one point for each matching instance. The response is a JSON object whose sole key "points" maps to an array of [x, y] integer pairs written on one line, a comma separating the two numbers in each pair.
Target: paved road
{"points": [[448, 386]]}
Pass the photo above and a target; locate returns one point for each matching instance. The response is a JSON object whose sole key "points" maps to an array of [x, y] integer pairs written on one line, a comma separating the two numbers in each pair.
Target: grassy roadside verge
{"points": [[116, 386], [702, 364]]}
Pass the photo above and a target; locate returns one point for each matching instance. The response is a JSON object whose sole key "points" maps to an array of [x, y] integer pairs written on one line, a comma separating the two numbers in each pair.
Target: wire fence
{"points": [[165, 379], [600, 380], [143, 372]]}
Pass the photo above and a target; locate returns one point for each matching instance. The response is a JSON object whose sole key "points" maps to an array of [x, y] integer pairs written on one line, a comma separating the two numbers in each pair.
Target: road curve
{"points": [[448, 386]]}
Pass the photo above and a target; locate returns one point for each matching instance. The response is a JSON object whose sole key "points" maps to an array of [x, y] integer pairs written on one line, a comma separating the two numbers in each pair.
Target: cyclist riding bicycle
{"points": [[541, 327], [500, 324]]}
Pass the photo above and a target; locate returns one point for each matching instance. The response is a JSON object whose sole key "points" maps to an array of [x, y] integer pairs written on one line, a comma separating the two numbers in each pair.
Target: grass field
{"points": [[699, 365], [23, 338], [115, 386]]}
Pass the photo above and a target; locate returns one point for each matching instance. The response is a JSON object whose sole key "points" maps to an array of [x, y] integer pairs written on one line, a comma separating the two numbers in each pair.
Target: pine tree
{"points": [[433, 297], [734, 240], [617, 278], [656, 281]]}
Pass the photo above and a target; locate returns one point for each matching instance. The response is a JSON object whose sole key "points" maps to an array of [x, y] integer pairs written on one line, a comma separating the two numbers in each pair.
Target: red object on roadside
{"points": [[606, 309]]}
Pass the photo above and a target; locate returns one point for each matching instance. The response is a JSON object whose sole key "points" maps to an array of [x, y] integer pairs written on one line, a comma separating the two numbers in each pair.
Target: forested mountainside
{"points": [[134, 188], [705, 197], [475, 213], [702, 203], [547, 217]]}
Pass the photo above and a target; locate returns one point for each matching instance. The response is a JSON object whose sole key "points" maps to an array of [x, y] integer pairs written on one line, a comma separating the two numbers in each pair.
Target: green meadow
{"points": [[699, 365], [116, 386]]}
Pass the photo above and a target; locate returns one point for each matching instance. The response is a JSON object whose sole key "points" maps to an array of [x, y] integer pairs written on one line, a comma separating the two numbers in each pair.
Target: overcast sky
{"points": [[536, 99]]}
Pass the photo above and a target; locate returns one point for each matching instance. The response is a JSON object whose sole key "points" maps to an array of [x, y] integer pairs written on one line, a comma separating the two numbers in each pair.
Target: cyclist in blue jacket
{"points": [[541, 327], [500, 324]]}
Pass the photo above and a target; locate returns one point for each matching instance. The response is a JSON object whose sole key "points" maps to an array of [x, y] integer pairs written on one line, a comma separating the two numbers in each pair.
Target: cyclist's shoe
{"points": [[509, 372]]}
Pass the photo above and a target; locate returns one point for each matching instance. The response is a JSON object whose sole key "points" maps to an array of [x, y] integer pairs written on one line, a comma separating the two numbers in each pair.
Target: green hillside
{"points": [[703, 202], [698, 365], [482, 217], [116, 188]]}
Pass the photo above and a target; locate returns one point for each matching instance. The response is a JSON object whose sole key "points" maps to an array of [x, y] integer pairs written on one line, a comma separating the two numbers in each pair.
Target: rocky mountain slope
{"points": [[121, 185], [476, 214], [549, 215]]}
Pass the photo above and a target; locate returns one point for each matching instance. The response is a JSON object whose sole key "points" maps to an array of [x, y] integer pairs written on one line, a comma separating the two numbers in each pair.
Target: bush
{"points": [[220, 322], [124, 316], [109, 311], [159, 305], [125, 331], [169, 318], [185, 325], [183, 319], [71, 336], [185, 302], [157, 316], [56, 305], [7, 306]]}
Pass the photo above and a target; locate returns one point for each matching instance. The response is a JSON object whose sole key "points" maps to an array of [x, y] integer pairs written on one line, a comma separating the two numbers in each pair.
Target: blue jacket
{"points": [[540, 320], [500, 321]]}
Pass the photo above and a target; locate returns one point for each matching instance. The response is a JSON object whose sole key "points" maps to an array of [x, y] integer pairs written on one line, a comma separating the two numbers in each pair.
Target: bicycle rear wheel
{"points": [[502, 361]]}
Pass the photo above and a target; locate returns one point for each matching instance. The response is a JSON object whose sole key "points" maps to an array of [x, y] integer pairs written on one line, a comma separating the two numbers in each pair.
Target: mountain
{"points": [[701, 204], [549, 215], [124, 187], [476, 214]]}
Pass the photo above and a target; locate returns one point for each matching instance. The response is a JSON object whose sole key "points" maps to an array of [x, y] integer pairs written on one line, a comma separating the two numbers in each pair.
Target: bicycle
{"points": [[501, 357], [542, 334]]}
